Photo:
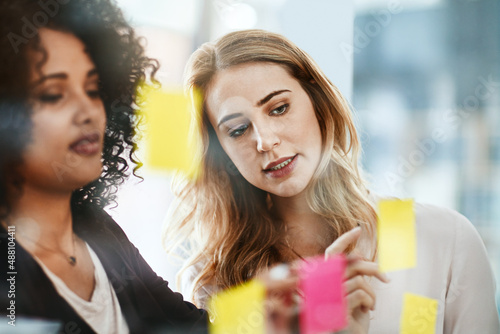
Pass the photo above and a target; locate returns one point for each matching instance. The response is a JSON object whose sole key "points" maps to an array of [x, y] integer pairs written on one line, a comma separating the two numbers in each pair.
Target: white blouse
{"points": [[452, 268], [102, 312]]}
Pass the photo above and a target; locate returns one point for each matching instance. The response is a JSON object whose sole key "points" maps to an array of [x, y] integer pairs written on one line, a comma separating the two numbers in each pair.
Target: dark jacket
{"points": [[146, 301]]}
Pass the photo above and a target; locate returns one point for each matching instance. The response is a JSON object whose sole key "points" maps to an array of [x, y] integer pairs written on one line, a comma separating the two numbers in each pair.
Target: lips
{"points": [[87, 145], [281, 167], [278, 164]]}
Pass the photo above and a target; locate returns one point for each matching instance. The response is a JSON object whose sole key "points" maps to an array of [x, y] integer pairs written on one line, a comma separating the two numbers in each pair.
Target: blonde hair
{"points": [[226, 220]]}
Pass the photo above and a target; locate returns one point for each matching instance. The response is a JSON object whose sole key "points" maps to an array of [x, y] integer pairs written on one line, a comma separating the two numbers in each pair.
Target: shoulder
{"points": [[444, 226], [434, 215], [95, 222], [104, 235], [439, 228], [452, 237], [437, 222]]}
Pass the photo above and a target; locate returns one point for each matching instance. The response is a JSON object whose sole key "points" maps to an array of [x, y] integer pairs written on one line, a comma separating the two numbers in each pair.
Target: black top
{"points": [[146, 301]]}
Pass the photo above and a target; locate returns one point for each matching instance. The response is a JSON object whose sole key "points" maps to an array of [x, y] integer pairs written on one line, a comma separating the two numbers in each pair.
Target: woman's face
{"points": [[267, 125], [68, 116]]}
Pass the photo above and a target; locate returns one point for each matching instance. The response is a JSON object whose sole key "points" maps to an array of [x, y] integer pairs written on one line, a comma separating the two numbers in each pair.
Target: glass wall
{"points": [[427, 94], [422, 75], [173, 30]]}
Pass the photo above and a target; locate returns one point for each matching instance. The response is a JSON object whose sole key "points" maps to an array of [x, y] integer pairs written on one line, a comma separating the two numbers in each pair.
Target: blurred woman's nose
{"points": [[87, 108]]}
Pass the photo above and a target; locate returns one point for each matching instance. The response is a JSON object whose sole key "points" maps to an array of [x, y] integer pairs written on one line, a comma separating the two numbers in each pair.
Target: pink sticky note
{"points": [[324, 306]]}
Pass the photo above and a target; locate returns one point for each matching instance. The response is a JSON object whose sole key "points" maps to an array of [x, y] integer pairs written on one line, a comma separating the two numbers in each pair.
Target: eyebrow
{"points": [[270, 96], [62, 76], [260, 103], [229, 117]]}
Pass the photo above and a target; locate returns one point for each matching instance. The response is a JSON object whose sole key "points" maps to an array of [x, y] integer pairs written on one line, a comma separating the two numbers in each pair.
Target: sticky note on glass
{"points": [[324, 306], [238, 310], [419, 315], [396, 235], [171, 142]]}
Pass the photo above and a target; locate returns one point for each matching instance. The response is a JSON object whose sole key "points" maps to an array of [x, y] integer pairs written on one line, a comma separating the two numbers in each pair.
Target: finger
{"points": [[279, 271], [296, 266], [360, 299], [342, 242], [279, 316], [281, 286], [365, 268], [279, 279], [358, 283], [355, 256]]}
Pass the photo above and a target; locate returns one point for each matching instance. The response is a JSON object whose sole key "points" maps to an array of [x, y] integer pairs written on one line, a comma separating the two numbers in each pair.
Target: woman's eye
{"points": [[94, 94], [280, 110], [50, 98], [238, 132]]}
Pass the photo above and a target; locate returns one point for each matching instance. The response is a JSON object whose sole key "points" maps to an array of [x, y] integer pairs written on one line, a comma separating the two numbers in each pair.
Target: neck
{"points": [[307, 234], [292, 209], [45, 217]]}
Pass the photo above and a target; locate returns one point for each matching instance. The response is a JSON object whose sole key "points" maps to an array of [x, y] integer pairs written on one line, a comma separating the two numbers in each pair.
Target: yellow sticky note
{"points": [[396, 235], [238, 310], [171, 142], [419, 315]]}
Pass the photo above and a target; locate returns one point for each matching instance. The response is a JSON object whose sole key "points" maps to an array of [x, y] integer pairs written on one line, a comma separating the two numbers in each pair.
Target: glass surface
{"points": [[427, 94]]}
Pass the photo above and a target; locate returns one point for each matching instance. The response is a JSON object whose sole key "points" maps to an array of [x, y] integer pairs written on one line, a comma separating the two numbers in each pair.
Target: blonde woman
{"points": [[280, 182]]}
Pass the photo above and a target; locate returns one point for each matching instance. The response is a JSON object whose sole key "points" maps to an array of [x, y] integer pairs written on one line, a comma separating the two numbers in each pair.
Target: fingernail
{"points": [[279, 272]]}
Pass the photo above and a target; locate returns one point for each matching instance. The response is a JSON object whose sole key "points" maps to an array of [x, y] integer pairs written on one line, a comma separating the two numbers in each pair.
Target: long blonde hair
{"points": [[222, 220]]}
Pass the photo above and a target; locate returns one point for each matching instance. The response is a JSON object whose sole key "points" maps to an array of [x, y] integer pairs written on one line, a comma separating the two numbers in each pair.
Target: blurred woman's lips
{"points": [[87, 145], [281, 167]]}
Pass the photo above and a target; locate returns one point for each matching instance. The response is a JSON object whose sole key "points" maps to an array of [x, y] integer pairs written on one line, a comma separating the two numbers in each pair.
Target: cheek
{"points": [[48, 146], [308, 134], [311, 124], [242, 156], [48, 140], [102, 117], [314, 131], [42, 156], [315, 141], [236, 154]]}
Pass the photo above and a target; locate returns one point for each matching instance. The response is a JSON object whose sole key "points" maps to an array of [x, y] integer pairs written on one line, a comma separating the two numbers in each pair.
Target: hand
{"points": [[281, 282], [360, 295]]}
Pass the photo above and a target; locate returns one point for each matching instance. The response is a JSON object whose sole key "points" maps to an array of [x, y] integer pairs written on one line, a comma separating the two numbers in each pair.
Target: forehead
{"points": [[244, 85], [65, 52]]}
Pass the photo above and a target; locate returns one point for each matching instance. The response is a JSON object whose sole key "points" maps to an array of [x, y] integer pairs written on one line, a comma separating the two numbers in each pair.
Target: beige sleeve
{"points": [[470, 299]]}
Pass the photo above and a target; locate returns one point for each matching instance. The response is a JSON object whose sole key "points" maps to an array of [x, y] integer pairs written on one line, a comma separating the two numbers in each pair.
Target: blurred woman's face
{"points": [[267, 125], [68, 117]]}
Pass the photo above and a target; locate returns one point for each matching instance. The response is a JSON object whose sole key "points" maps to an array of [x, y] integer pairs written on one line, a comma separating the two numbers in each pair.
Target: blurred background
{"points": [[423, 77]]}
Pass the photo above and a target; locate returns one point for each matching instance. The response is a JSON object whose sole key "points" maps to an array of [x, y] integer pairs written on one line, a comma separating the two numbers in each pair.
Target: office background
{"points": [[423, 77]]}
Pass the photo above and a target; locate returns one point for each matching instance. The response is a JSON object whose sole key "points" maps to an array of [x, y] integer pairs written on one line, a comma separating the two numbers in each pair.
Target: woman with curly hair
{"points": [[280, 182], [68, 83]]}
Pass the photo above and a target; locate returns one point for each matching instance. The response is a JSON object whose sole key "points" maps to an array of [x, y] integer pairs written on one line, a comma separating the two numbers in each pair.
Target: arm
{"points": [[172, 303], [199, 298], [141, 291], [470, 299]]}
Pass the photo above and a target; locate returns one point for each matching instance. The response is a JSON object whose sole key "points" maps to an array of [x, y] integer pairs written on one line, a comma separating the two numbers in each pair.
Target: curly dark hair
{"points": [[120, 61]]}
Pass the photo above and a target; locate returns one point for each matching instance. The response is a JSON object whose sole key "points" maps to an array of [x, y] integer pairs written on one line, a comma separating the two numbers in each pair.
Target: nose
{"points": [[87, 108], [267, 139]]}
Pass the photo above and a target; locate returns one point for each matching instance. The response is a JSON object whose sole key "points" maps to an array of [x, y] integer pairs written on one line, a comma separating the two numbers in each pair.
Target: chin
{"points": [[289, 192], [86, 177], [80, 183]]}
